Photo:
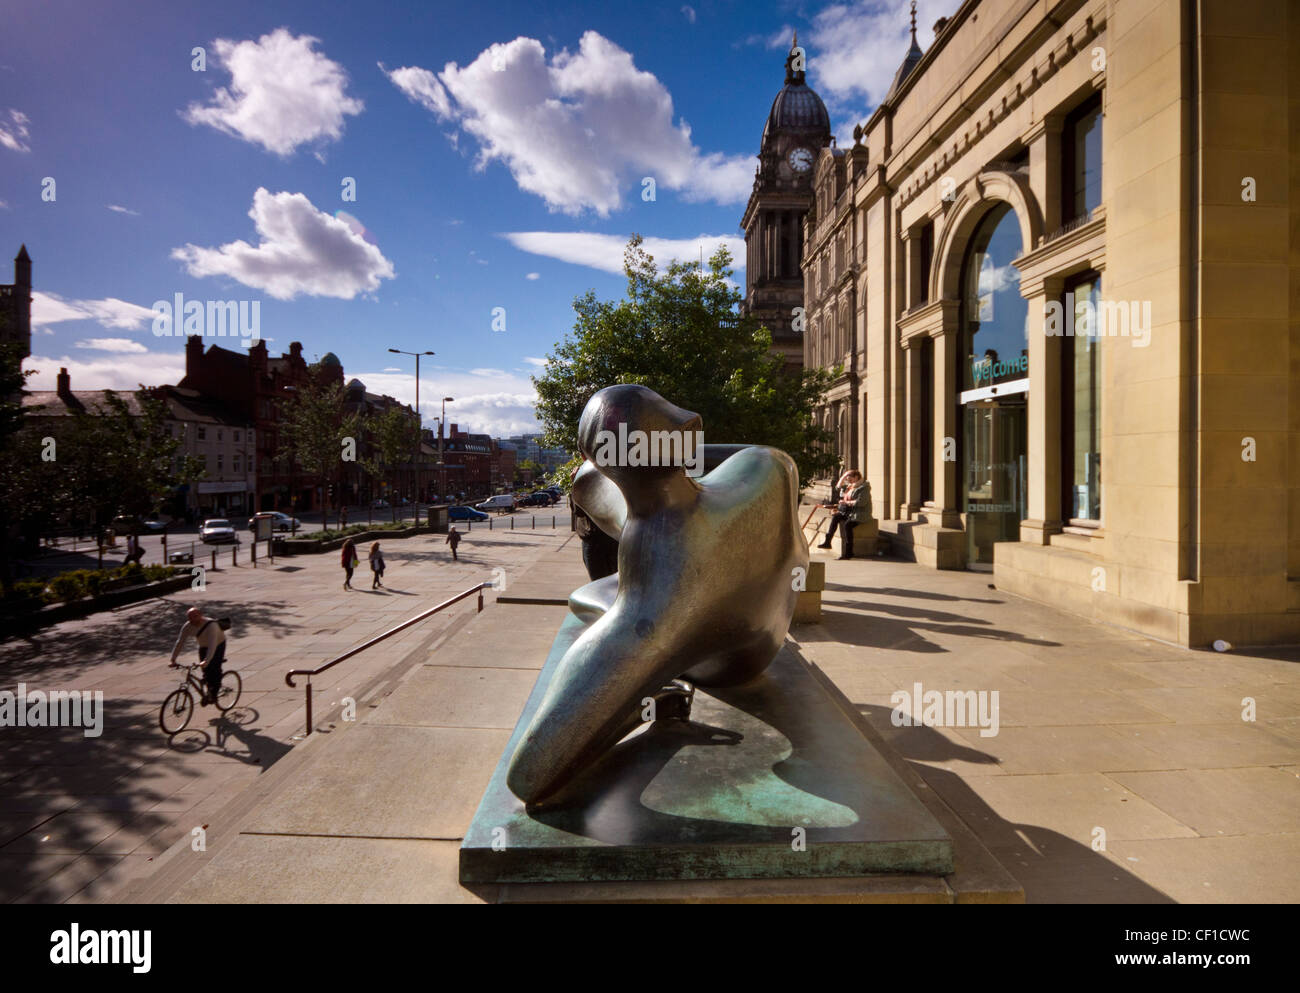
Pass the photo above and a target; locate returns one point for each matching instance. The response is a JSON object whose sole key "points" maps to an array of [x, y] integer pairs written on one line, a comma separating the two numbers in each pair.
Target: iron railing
{"points": [[289, 676]]}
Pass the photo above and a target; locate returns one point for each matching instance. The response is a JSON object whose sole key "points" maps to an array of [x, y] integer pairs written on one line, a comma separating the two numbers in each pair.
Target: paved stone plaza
{"points": [[1098, 729], [78, 816]]}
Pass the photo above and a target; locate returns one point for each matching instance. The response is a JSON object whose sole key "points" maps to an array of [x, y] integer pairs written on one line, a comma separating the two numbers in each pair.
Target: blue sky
{"points": [[498, 154]]}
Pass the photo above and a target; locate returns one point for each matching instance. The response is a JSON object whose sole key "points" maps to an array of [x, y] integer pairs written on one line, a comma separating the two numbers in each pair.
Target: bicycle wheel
{"points": [[176, 711], [231, 686]]}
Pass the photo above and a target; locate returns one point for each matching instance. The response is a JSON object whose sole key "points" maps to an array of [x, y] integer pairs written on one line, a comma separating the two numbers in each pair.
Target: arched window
{"points": [[994, 337]]}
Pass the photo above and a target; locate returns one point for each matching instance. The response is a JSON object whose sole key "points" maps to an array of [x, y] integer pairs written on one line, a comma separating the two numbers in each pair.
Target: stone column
{"points": [[1046, 395], [945, 509], [911, 502], [1044, 143]]}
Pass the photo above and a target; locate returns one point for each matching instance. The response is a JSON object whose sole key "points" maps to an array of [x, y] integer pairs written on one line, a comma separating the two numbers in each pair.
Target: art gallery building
{"points": [[1060, 271]]}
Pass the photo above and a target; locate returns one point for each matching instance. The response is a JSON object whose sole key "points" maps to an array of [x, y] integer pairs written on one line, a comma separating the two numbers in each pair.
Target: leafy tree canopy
{"points": [[679, 333]]}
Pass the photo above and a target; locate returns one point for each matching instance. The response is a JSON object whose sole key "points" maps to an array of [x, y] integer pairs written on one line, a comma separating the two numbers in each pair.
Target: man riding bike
{"points": [[211, 640]]}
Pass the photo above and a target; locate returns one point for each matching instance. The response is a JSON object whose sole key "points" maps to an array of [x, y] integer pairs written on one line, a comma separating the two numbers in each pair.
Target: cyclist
{"points": [[211, 640]]}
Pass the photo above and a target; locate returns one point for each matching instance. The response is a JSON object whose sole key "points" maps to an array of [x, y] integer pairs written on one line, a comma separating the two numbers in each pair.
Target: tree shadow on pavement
{"points": [[1051, 867], [114, 637]]}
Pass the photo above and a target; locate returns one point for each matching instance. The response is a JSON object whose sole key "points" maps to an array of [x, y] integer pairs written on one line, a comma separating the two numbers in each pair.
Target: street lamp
{"points": [[419, 421], [442, 465]]}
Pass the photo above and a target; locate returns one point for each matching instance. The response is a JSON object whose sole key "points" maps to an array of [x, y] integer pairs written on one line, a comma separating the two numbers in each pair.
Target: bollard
{"points": [[534, 522], [234, 560], [552, 522], [489, 524], [254, 550], [214, 560], [512, 522]]}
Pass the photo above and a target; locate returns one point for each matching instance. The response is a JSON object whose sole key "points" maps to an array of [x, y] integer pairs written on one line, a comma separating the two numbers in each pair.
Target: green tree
{"points": [[22, 472], [392, 436], [314, 424], [679, 333], [528, 465]]}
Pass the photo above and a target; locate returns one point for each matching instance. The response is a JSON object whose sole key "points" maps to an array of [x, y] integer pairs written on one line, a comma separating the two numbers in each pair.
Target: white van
{"points": [[502, 503]]}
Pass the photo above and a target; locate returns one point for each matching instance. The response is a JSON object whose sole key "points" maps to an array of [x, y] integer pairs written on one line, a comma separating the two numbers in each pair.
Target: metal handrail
{"points": [[288, 676]]}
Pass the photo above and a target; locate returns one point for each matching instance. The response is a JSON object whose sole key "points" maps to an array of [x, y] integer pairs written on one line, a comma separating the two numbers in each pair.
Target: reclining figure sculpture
{"points": [[704, 592]]}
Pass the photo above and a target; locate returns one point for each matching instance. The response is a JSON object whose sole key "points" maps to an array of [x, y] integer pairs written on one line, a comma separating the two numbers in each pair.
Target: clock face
{"points": [[800, 159]]}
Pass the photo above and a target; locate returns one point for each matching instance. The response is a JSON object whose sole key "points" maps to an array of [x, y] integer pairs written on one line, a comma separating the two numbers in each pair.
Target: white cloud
{"points": [[855, 50], [303, 250], [14, 133], [108, 372], [50, 308], [124, 345], [533, 275], [689, 12], [581, 130], [605, 251], [423, 87], [282, 93], [532, 360], [123, 210], [499, 404]]}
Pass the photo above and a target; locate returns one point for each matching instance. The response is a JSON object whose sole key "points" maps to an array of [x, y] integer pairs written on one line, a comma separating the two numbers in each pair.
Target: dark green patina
{"points": [[717, 797]]}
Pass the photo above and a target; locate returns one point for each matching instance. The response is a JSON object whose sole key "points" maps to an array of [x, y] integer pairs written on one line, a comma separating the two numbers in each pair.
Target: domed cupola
{"points": [[797, 107]]}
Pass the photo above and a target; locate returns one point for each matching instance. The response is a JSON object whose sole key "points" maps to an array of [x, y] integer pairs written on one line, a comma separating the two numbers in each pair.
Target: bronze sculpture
{"points": [[704, 593]]}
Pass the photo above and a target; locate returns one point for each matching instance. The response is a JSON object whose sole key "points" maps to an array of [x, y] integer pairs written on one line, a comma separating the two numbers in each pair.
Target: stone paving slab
{"points": [[1098, 728]]}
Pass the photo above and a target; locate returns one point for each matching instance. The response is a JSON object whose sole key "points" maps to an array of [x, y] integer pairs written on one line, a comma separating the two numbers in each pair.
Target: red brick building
{"points": [[250, 385]]}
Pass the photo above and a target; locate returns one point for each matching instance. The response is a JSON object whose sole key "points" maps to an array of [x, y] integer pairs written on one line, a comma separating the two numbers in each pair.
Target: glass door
{"points": [[993, 475]]}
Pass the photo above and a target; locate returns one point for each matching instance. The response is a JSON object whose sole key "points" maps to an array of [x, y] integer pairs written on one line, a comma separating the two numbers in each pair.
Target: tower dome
{"points": [[797, 107], [330, 360]]}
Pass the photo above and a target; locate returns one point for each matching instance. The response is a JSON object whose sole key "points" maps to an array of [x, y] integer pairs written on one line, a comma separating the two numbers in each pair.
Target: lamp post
{"points": [[415, 466], [442, 463]]}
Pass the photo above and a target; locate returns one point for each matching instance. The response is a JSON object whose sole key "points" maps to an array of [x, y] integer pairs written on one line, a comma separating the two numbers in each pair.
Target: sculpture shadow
{"points": [[1052, 867]]}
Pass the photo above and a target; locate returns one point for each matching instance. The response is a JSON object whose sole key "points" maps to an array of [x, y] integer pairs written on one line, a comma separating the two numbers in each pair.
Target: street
{"points": [[71, 553], [82, 815]]}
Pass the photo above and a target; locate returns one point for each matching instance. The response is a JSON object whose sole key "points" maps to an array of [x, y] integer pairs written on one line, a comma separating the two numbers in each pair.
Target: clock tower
{"points": [[797, 128]]}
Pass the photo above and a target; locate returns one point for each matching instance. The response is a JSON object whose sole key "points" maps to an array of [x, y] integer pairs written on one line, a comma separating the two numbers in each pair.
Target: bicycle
{"points": [[178, 708]]}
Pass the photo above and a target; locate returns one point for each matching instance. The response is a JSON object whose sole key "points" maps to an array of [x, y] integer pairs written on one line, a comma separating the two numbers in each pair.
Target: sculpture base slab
{"points": [[766, 780]]}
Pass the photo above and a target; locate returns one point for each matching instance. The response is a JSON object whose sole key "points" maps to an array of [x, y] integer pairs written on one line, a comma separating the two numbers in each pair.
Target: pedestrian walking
{"points": [[343, 517], [453, 539], [349, 562], [376, 565]]}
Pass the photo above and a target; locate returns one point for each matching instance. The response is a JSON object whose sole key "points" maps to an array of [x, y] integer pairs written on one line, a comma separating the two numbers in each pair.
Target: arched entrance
{"points": [[993, 383]]}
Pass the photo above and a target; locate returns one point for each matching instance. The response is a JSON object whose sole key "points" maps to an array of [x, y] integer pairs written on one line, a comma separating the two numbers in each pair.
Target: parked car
{"points": [[216, 530], [502, 503], [539, 499], [128, 523], [465, 514], [279, 522], [380, 504]]}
